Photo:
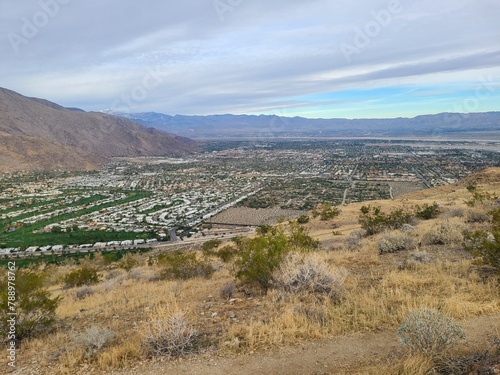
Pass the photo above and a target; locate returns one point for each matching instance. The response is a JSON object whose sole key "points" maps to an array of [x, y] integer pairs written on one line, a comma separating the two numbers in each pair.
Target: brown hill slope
{"points": [[36, 134]]}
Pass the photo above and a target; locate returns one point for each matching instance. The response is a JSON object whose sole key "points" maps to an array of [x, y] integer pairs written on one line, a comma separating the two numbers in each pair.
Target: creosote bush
{"points": [[183, 266], [36, 310], [325, 212], [258, 257], [486, 245], [84, 275], [393, 242], [169, 335], [373, 220], [429, 332], [427, 212]]}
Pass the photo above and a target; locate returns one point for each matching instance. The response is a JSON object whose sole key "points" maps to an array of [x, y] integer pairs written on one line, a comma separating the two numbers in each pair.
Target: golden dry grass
{"points": [[379, 293]]}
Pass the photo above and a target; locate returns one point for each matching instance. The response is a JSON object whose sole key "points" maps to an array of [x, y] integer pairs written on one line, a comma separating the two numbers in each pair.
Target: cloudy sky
{"points": [[314, 58]]}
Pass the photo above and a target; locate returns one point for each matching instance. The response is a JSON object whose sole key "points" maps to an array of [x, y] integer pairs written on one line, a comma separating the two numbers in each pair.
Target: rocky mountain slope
{"points": [[36, 134]]}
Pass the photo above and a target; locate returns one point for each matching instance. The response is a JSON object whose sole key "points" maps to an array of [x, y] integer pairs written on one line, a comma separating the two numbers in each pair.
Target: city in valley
{"points": [[227, 189]]}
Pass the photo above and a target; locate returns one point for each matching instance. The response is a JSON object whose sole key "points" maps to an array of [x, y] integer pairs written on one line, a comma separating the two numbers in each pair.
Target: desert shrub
{"points": [[393, 242], [479, 197], [299, 238], [373, 220], [407, 228], [227, 291], [128, 262], [303, 219], [353, 240], [258, 257], [475, 215], [427, 211], [94, 339], [415, 258], [445, 233], [209, 246], [301, 273], [136, 274], [430, 332], [486, 245], [36, 310], [169, 335], [84, 292], [226, 253], [326, 211], [82, 276], [113, 274], [454, 212], [183, 266]]}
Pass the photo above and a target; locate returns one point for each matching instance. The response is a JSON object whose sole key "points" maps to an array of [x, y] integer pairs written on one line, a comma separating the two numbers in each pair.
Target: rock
{"points": [[231, 315], [214, 314]]}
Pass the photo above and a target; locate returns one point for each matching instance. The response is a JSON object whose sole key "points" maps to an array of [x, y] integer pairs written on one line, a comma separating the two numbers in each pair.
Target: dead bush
{"points": [[476, 215], [169, 335], [94, 339], [309, 274], [353, 241], [445, 233], [394, 242], [227, 291], [84, 292]]}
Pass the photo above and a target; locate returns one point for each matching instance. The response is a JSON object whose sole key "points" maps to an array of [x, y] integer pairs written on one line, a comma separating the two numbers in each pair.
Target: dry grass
{"points": [[378, 293]]}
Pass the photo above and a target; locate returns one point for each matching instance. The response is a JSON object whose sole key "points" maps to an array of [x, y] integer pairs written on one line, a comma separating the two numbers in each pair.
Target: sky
{"points": [[314, 58]]}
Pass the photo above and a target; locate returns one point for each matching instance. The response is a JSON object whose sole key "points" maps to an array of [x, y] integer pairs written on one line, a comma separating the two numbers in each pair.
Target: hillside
{"points": [[105, 326], [36, 134], [440, 126]]}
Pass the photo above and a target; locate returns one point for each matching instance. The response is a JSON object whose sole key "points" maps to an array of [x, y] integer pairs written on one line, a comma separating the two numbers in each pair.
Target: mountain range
{"points": [[36, 134], [439, 126]]}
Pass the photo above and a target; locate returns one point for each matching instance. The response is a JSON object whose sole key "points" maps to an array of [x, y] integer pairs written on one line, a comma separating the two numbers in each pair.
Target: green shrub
{"points": [[427, 212], [326, 211], [430, 332], [82, 276], [226, 253], [486, 245], [183, 266], [393, 242], [36, 310], [128, 262], [303, 219], [210, 245], [258, 257], [373, 220]]}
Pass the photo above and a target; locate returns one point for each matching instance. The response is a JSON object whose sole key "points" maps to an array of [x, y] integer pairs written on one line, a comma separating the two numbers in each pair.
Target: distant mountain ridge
{"points": [[250, 126], [36, 134]]}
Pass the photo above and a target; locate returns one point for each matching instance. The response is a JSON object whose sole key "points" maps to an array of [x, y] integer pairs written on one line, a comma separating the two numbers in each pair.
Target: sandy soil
{"points": [[341, 354]]}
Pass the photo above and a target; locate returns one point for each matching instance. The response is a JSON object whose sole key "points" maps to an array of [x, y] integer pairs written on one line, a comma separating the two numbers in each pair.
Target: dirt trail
{"points": [[341, 354]]}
